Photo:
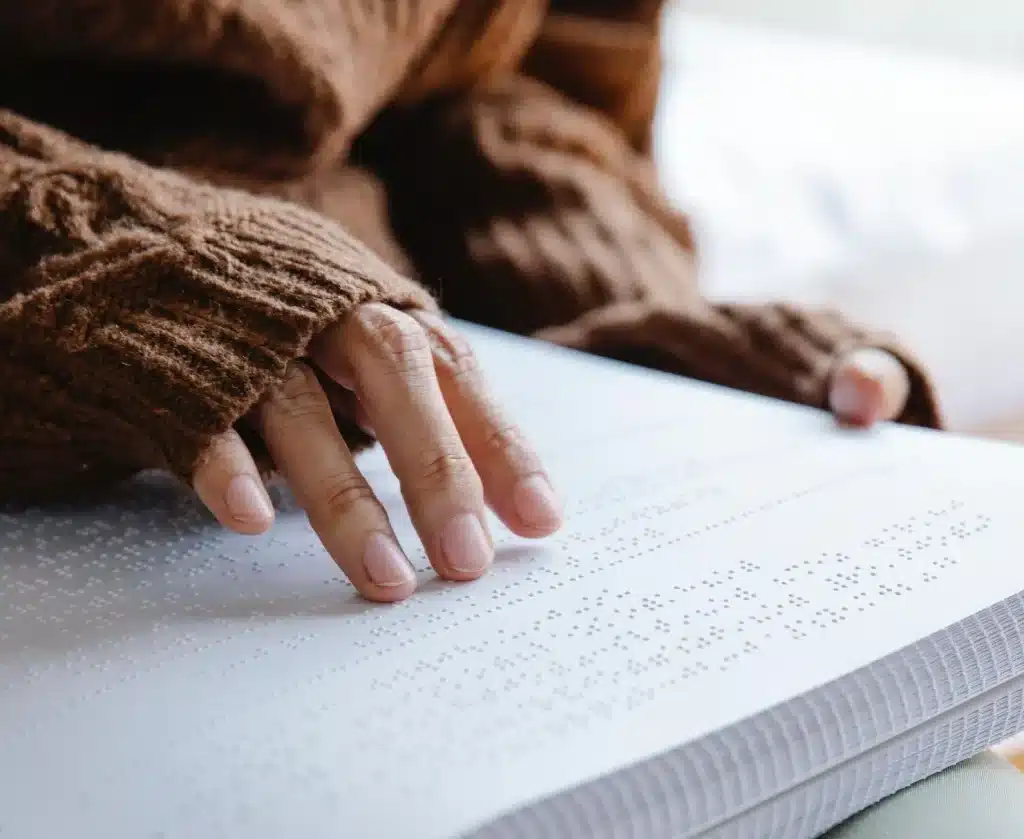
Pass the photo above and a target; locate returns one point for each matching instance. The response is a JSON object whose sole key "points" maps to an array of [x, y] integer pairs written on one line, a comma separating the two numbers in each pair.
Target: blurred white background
{"points": [[987, 30], [865, 154]]}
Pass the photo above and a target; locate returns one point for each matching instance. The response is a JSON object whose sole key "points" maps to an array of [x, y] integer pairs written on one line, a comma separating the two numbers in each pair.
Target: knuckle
{"points": [[443, 470], [299, 379], [218, 450], [298, 395], [507, 441], [341, 495], [393, 336], [456, 357], [216, 461]]}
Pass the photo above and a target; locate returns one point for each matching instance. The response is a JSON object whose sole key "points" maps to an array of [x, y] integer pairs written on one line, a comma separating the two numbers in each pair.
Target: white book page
{"points": [[159, 677]]}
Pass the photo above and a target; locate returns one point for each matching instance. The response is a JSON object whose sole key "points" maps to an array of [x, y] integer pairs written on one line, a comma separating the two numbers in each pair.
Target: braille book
{"points": [[753, 625]]}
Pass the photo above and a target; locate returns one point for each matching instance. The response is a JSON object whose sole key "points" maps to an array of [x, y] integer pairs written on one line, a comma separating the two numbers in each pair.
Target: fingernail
{"points": [[247, 501], [385, 564], [536, 502], [846, 398], [857, 399], [465, 545]]}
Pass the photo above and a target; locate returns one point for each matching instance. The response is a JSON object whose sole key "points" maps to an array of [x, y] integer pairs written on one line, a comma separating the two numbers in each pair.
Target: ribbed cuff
{"points": [[812, 342], [923, 407], [146, 347], [791, 352], [267, 282], [776, 350]]}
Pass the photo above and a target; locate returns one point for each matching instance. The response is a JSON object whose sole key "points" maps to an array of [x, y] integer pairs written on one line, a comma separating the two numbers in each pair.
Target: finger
{"points": [[515, 483], [328, 353], [344, 403], [298, 426], [869, 386], [228, 483], [389, 356]]}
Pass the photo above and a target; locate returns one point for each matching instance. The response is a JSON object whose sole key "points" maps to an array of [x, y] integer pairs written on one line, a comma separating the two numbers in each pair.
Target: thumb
{"points": [[869, 386]]}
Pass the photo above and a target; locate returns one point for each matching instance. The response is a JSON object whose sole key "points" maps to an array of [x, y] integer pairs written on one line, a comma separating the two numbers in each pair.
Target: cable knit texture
{"points": [[191, 189], [145, 313]]}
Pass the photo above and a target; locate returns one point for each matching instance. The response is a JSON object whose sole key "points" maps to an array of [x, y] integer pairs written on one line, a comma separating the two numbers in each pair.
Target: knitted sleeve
{"points": [[142, 313], [777, 350], [545, 219]]}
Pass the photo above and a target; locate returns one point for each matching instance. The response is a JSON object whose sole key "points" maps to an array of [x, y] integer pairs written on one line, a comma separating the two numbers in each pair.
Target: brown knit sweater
{"points": [[191, 189]]}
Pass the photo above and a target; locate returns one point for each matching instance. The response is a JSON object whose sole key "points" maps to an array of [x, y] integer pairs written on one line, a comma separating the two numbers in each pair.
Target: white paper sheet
{"points": [[161, 678]]}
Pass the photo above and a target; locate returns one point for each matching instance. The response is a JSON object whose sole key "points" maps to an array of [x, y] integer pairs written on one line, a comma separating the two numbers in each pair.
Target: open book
{"points": [[753, 625]]}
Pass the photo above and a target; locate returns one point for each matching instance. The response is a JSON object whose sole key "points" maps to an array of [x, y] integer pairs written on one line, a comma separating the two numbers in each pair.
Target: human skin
{"points": [[414, 381]]}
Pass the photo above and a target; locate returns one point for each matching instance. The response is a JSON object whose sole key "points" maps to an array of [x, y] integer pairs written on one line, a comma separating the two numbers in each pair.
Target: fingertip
{"points": [[537, 507], [529, 531], [466, 550], [228, 483], [869, 387], [386, 575], [378, 594], [244, 528], [247, 505], [855, 400]]}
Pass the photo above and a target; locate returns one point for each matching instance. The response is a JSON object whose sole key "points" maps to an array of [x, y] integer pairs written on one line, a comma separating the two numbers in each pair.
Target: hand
{"points": [[869, 386], [419, 388]]}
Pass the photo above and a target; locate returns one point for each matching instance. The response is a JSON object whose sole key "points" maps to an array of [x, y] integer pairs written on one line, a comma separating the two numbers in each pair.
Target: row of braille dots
{"points": [[519, 590], [888, 538], [756, 620], [627, 690], [547, 709], [99, 612], [854, 579], [461, 741], [817, 615], [106, 529], [634, 667], [165, 650], [499, 595], [124, 575], [599, 614], [616, 551], [405, 623], [940, 524], [654, 616], [460, 702], [585, 533], [936, 533], [94, 601], [622, 640], [645, 492], [735, 518], [112, 553]]}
